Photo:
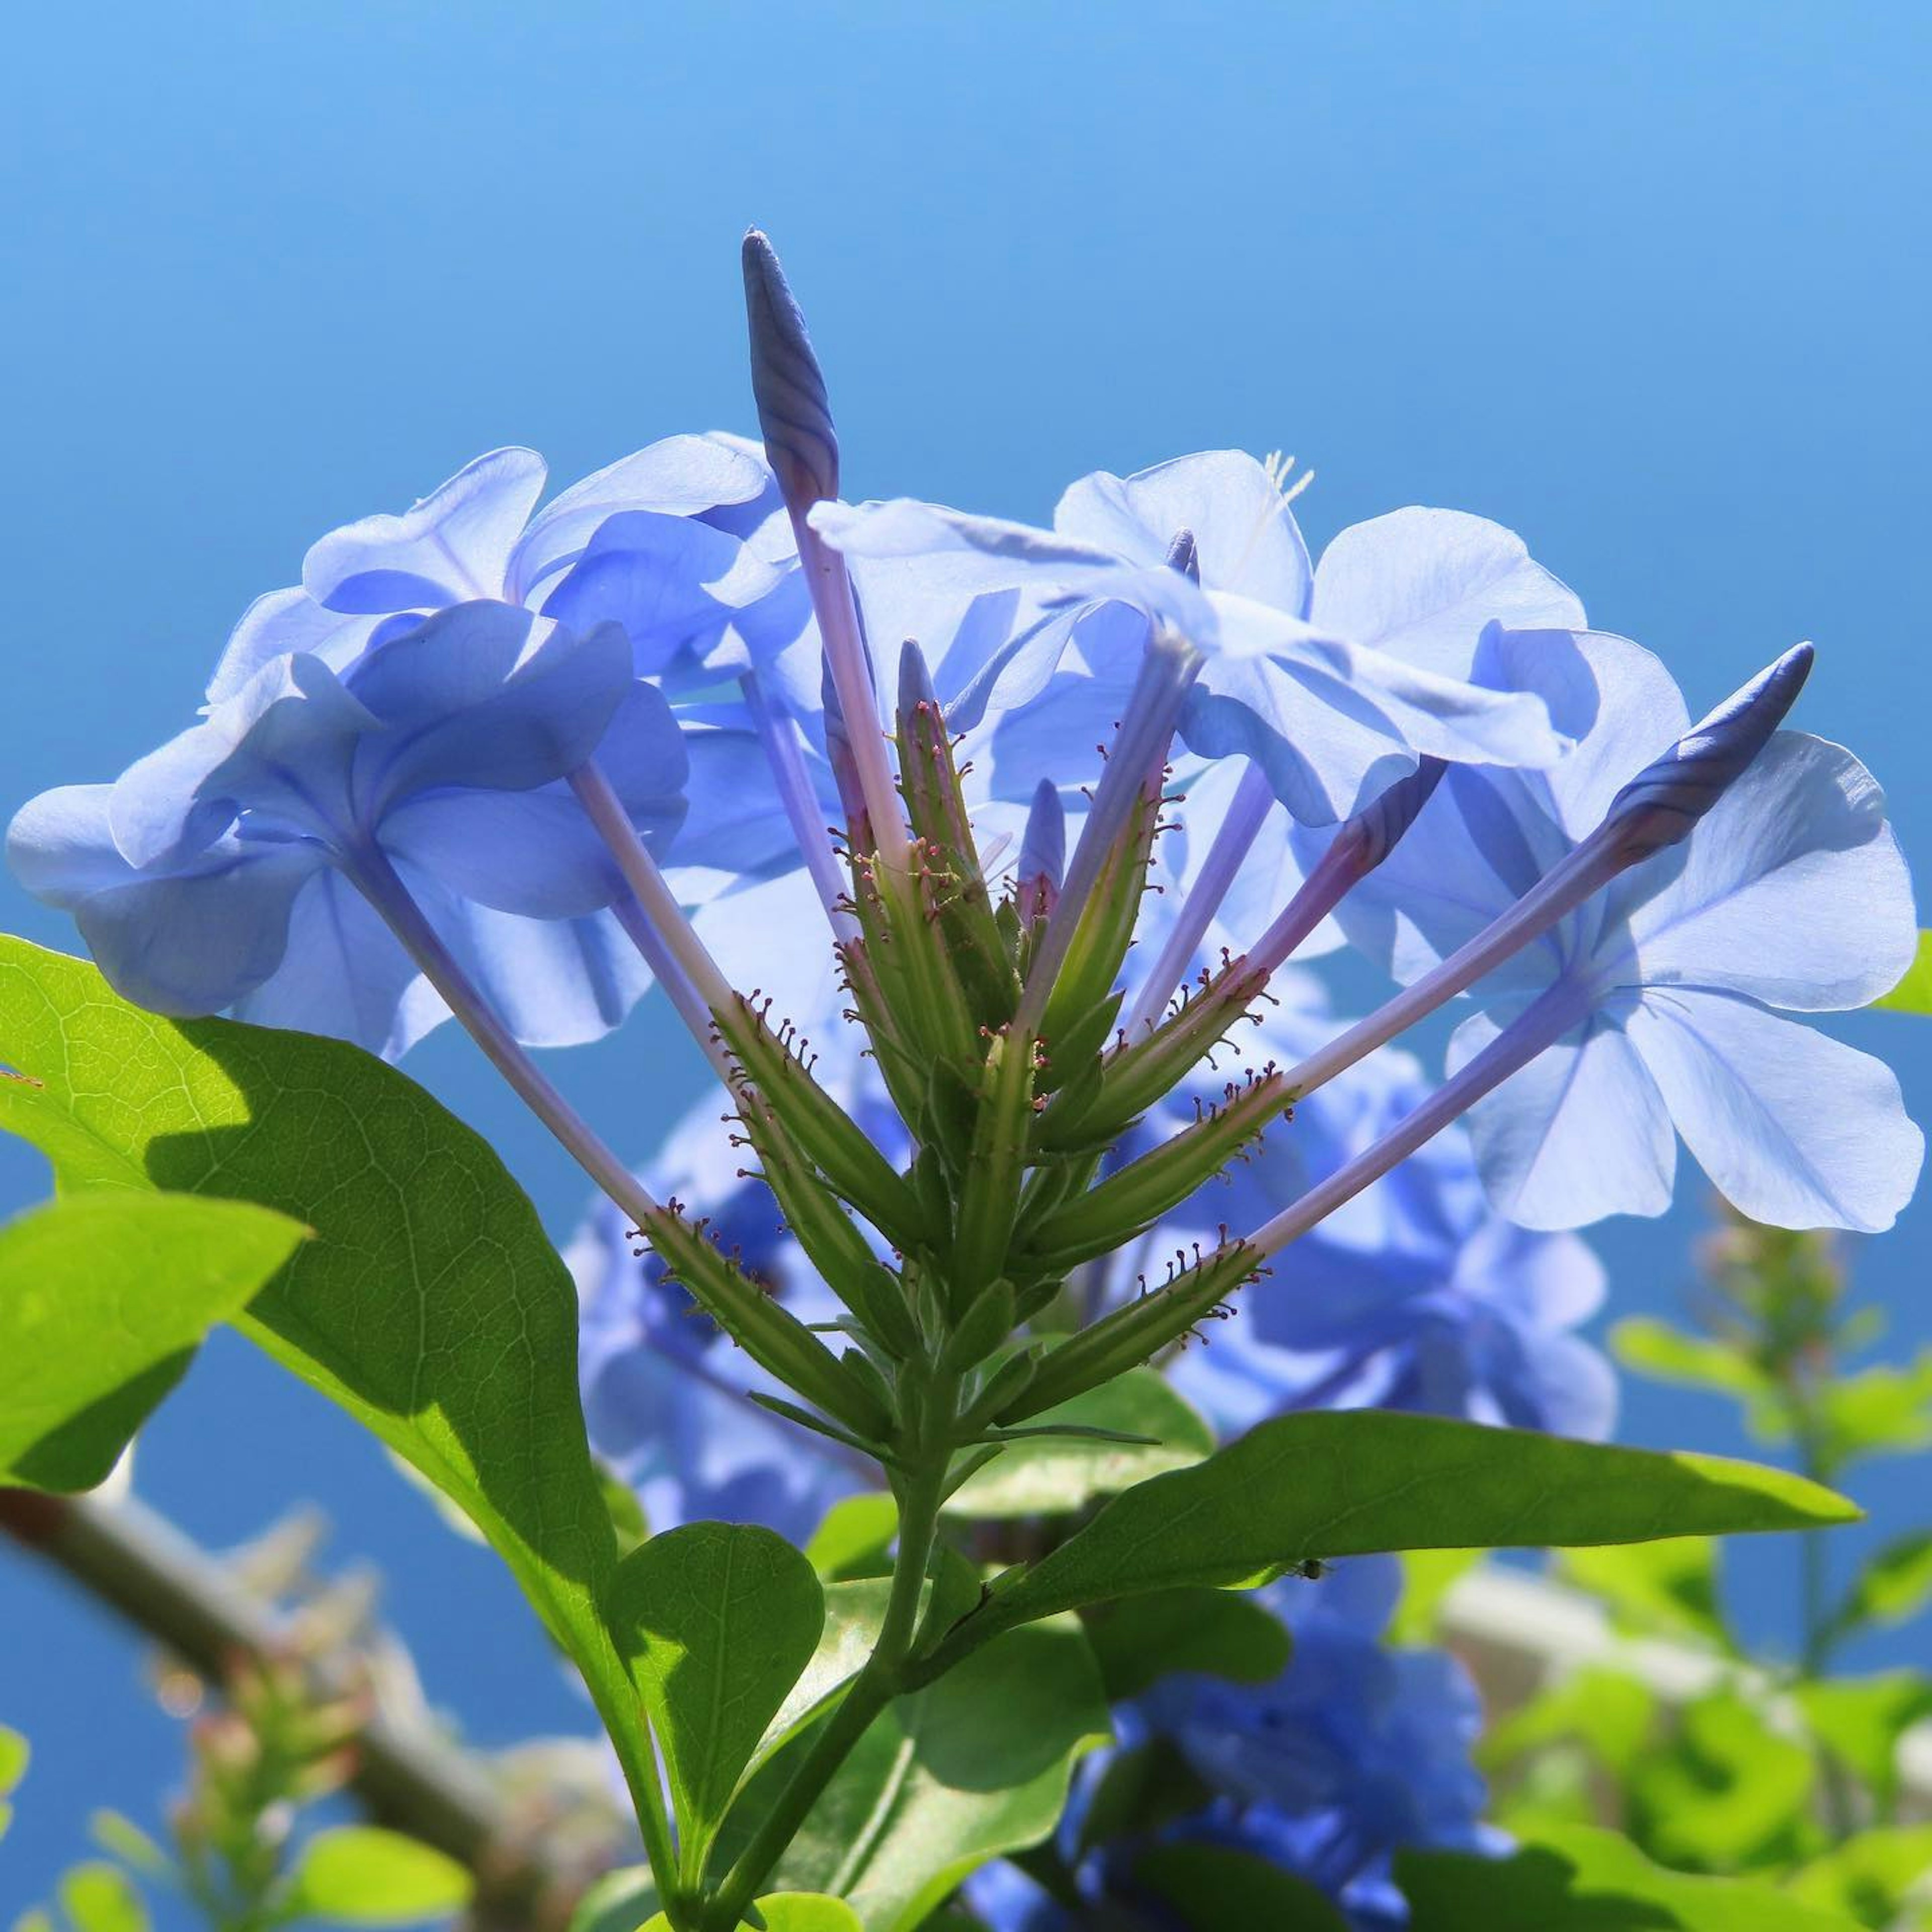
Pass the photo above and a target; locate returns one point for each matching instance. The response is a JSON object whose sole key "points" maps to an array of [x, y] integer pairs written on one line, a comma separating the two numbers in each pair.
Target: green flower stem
{"points": [[879, 1680]]}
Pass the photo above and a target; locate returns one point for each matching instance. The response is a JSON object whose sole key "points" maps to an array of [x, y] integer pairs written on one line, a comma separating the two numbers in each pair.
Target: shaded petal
{"points": [[60, 844], [1792, 890], [200, 939], [1422, 584], [1245, 536], [345, 974], [1580, 1133], [283, 622], [486, 695], [530, 852], [1794, 1129], [678, 476], [455, 543]]}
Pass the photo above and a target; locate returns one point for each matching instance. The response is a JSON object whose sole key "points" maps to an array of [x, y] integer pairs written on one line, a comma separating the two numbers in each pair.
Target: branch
{"points": [[406, 1777]]}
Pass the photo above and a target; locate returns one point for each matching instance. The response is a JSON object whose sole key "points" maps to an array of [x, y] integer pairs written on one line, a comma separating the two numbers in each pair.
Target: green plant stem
{"points": [[1814, 1588], [878, 1682]]}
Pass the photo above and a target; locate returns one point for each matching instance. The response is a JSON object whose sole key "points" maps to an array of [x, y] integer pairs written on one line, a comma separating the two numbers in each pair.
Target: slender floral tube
{"points": [[1658, 808], [1247, 811], [779, 735], [1540, 1025], [795, 419], [1138, 755], [672, 977]]}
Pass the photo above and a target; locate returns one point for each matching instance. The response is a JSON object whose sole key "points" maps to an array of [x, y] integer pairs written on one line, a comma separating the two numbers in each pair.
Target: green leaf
{"points": [[854, 1613], [1580, 1879], [1218, 1890], [790, 1912], [1668, 1355], [855, 1538], [431, 1305], [362, 1875], [1892, 1587], [1327, 1484], [103, 1300], [1869, 1877], [125, 1841], [1861, 1719], [619, 1901], [1428, 1576], [1609, 1711], [1667, 1588], [974, 1765], [1142, 1640], [718, 1620], [99, 1898], [1729, 1791], [1913, 994], [1878, 1412], [13, 1755], [1050, 1475]]}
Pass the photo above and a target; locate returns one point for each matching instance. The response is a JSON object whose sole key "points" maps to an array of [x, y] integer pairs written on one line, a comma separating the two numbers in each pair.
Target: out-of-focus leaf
{"points": [[363, 1875], [1861, 1719], [1892, 1586], [1870, 1877], [431, 1304], [1578, 1879], [1665, 1589], [1731, 1790], [13, 1755], [1428, 1576], [1913, 994], [1609, 1711], [619, 1901], [1324, 1483], [99, 1898], [1878, 1412], [103, 1300], [1051, 1475], [1667, 1354], [975, 1765], [1142, 1639], [129, 1843], [718, 1620], [855, 1538], [1219, 1890]]}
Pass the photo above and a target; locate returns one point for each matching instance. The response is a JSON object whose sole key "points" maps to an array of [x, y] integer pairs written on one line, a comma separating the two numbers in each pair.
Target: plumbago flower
{"points": [[1660, 997], [1354, 1752], [284, 858], [432, 778], [1415, 1295]]}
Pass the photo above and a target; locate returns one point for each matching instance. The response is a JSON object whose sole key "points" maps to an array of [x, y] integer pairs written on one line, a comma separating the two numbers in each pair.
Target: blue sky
{"points": [[1648, 283]]}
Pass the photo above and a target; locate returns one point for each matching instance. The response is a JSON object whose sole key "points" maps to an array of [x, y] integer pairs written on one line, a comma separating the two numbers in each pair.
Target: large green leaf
{"points": [[1139, 1640], [1216, 1889], [975, 1766], [103, 1300], [1329, 1484], [1580, 1879], [363, 1875], [431, 1305], [1047, 1475], [719, 1621], [793, 1911], [1913, 994]]}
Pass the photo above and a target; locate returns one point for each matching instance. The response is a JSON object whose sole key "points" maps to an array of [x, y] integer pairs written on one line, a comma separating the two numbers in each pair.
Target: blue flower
{"points": [[666, 542], [1332, 678], [1415, 1295], [666, 1395], [239, 866], [1357, 1751], [1791, 894]]}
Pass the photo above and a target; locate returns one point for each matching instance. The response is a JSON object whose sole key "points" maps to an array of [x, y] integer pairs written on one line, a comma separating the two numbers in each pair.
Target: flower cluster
{"points": [[1052, 820]]}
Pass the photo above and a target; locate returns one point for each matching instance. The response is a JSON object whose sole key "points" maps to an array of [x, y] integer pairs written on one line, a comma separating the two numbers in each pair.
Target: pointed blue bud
{"points": [[794, 416], [1043, 852], [1182, 555], [915, 680], [1661, 804]]}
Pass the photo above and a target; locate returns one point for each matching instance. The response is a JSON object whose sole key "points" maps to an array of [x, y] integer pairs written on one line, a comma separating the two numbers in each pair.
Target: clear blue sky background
{"points": [[1649, 282]]}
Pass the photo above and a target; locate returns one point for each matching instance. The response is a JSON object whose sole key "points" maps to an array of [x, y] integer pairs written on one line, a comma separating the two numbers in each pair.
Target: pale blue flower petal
{"points": [[1796, 1130], [284, 622], [1580, 1133], [452, 546], [1792, 890]]}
